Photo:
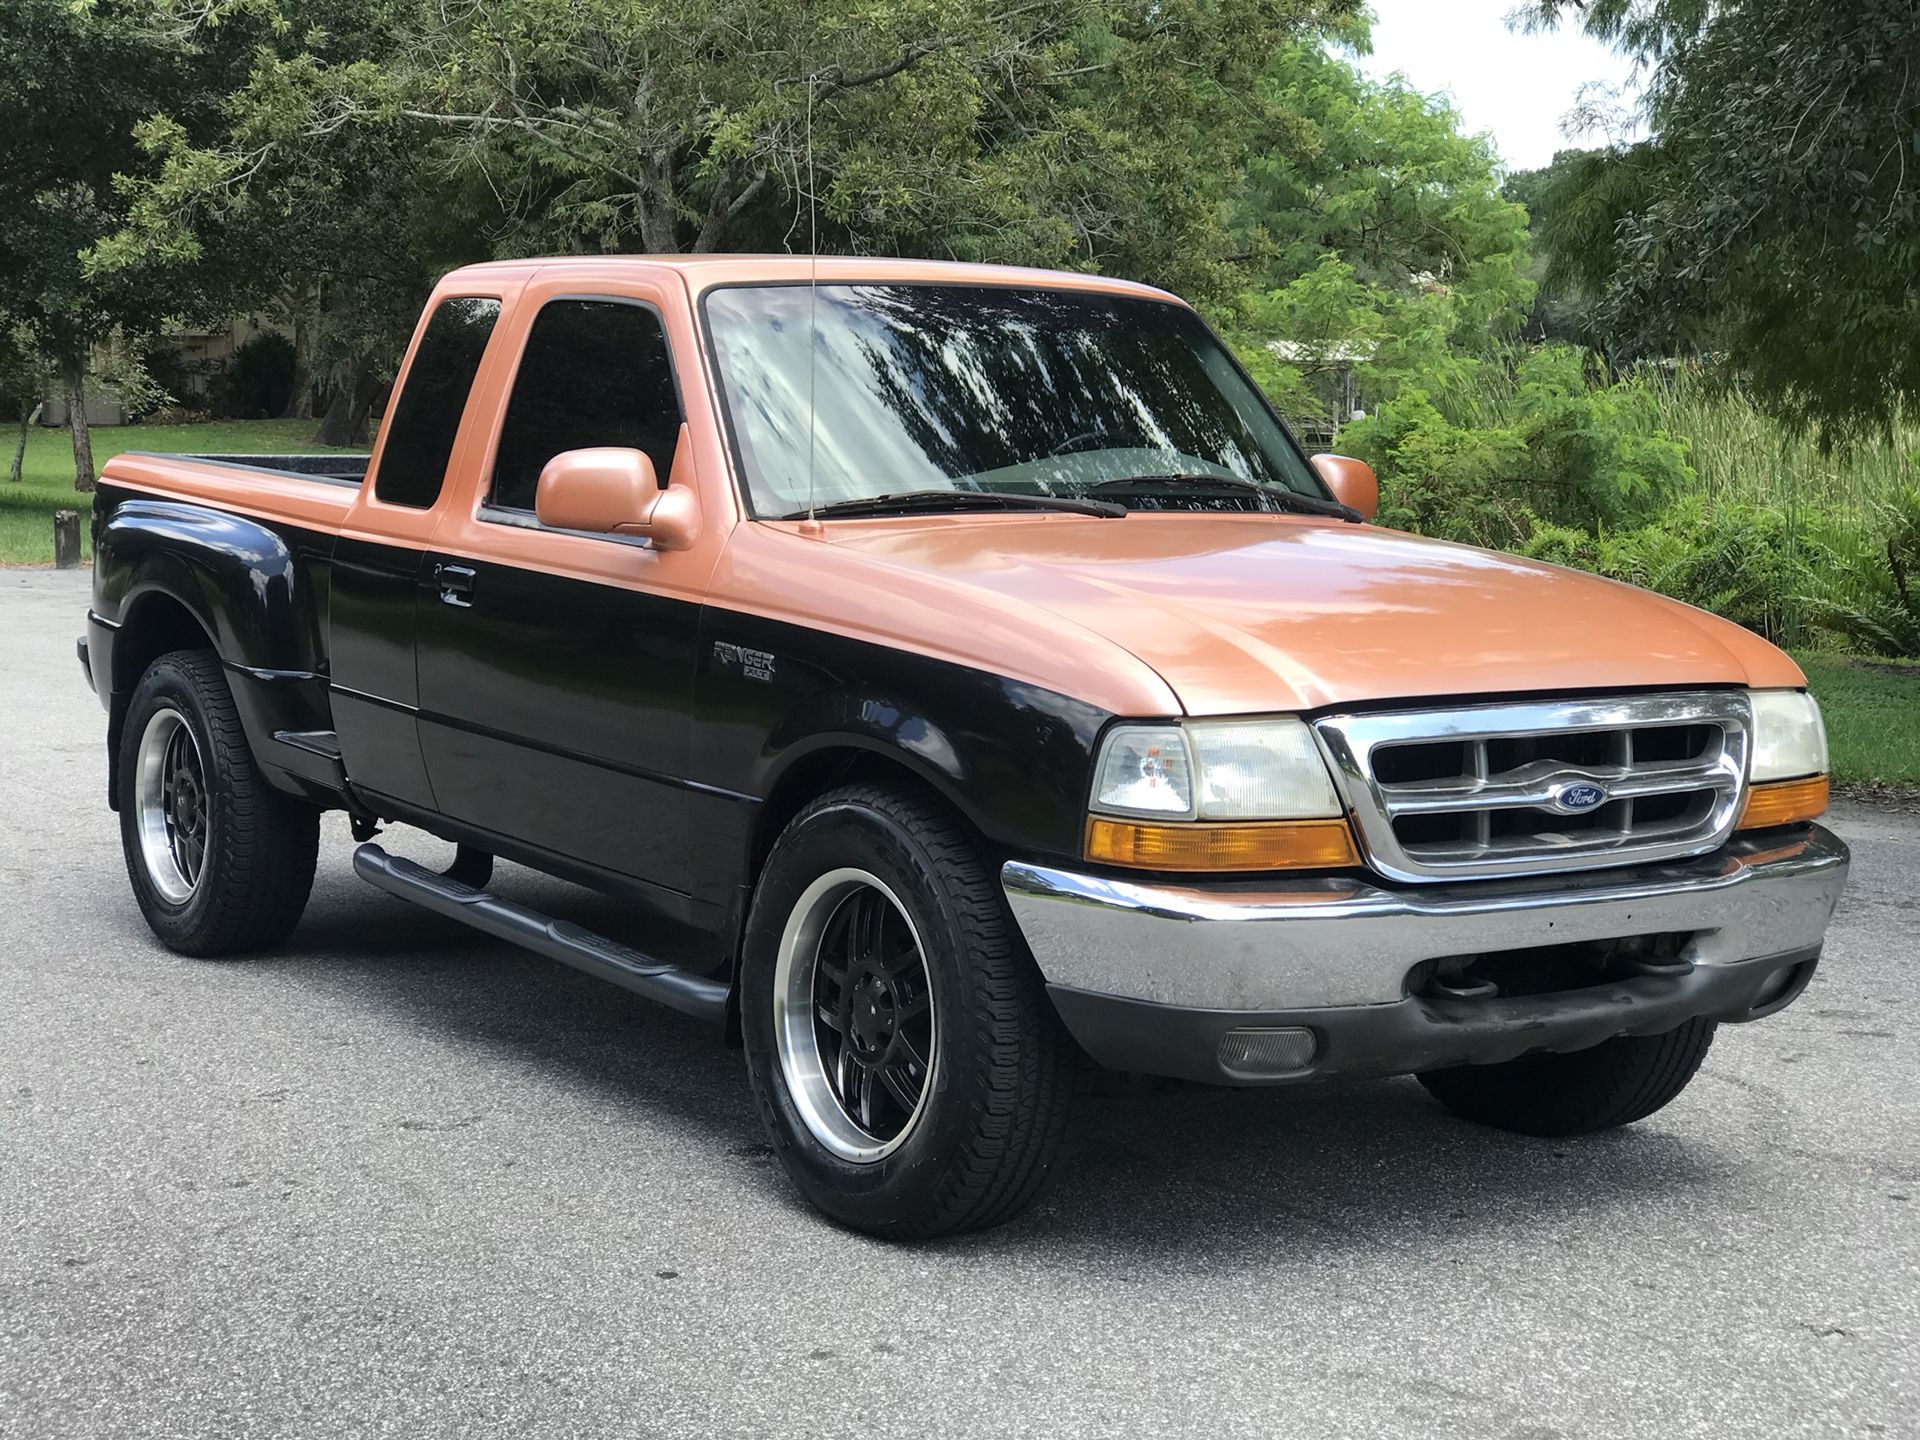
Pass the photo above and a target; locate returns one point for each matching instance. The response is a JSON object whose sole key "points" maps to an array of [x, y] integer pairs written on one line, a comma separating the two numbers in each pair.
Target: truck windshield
{"points": [[919, 389]]}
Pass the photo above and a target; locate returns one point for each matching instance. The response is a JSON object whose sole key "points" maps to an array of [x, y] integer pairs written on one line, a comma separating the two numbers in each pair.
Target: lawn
{"points": [[26, 509], [1872, 709]]}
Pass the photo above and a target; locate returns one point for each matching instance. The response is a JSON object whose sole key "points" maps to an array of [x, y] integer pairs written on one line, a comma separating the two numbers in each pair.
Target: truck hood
{"points": [[1246, 614]]}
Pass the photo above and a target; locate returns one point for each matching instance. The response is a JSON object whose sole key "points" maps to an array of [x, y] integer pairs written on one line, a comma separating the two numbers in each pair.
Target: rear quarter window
{"points": [[433, 396]]}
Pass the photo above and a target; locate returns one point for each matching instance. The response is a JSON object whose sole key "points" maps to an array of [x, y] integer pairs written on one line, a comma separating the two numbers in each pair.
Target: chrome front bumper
{"points": [[1268, 948]]}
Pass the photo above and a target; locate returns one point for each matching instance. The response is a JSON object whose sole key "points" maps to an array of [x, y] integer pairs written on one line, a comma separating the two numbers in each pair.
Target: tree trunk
{"points": [[77, 425], [345, 422], [20, 446], [300, 402]]}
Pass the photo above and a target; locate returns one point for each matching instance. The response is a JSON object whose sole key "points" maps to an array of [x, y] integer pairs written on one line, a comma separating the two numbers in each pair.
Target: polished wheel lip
{"points": [[170, 805], [796, 1034]]}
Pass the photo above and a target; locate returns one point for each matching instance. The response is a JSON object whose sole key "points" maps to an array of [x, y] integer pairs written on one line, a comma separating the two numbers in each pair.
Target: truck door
{"points": [[556, 668], [377, 563]]}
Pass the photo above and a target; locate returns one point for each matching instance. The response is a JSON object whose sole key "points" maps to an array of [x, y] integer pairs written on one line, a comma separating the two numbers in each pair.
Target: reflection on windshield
{"points": [[937, 387]]}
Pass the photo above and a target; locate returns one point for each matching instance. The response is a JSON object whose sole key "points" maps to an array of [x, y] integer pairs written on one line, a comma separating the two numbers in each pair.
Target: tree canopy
{"points": [[1375, 232], [80, 79], [1075, 132], [1773, 212]]}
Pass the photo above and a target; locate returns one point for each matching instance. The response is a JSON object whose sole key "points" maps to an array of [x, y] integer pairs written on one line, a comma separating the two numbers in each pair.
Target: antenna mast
{"points": [[813, 274]]}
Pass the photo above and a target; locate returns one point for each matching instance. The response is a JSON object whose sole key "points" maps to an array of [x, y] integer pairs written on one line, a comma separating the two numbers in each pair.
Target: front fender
{"points": [[1012, 758]]}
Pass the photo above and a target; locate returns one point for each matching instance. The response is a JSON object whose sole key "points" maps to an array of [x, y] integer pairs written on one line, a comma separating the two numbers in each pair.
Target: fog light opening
{"points": [[1266, 1054]]}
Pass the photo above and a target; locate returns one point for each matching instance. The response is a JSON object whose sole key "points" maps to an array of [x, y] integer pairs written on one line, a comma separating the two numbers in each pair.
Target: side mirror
{"points": [[1351, 482], [616, 492]]}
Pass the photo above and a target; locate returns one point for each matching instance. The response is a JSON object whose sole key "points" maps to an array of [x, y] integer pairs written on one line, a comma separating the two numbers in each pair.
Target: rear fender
{"points": [[245, 588], [237, 577]]}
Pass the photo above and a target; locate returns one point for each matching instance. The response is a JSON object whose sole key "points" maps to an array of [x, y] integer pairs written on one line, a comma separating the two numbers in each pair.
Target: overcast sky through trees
{"points": [[1514, 86]]}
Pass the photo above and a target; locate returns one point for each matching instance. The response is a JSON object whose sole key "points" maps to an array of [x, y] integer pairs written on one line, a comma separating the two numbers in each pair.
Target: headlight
{"points": [[1145, 770], [1215, 770], [1789, 740]]}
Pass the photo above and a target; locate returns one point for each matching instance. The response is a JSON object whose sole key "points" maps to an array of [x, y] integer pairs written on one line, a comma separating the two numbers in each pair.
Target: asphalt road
{"points": [[399, 1180]]}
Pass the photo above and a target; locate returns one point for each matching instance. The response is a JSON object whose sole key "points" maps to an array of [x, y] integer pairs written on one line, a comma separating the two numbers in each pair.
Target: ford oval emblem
{"points": [[1578, 798]]}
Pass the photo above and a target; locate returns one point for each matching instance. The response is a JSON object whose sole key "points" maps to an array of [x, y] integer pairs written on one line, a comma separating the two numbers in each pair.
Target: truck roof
{"points": [[702, 272]]}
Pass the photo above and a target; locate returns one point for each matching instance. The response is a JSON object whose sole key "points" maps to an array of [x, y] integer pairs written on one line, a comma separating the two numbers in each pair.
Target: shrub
{"points": [[1501, 449], [260, 379], [1739, 561], [1867, 578]]}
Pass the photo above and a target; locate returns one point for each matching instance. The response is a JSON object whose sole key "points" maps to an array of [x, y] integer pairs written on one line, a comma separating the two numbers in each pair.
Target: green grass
{"points": [[46, 484], [1872, 709]]}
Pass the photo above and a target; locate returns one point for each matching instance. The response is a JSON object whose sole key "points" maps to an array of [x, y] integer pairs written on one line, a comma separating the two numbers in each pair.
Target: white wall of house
{"points": [[103, 408]]}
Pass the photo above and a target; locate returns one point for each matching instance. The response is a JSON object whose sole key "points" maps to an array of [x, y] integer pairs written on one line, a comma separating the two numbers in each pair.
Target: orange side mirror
{"points": [[610, 491], [1351, 482]]}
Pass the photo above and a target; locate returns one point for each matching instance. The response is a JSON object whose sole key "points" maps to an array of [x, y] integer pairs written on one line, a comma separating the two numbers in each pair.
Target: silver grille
{"points": [[1529, 788]]}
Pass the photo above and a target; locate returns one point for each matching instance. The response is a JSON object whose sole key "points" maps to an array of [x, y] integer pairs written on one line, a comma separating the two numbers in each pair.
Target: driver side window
{"points": [[595, 372]]}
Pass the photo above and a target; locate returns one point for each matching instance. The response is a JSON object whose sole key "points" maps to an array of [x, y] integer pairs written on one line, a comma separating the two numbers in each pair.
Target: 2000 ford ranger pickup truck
{"points": [[974, 663]]}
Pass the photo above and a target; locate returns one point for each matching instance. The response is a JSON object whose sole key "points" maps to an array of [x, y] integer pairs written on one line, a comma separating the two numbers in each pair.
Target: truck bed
{"points": [[314, 492], [348, 469]]}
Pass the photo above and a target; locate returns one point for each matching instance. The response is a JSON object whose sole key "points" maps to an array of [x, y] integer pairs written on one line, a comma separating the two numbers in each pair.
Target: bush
{"points": [[1501, 450], [1739, 561], [172, 382], [260, 378], [1867, 578]]}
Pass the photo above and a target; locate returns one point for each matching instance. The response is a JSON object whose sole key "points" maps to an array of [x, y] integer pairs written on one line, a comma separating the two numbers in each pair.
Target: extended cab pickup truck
{"points": [[970, 660]]}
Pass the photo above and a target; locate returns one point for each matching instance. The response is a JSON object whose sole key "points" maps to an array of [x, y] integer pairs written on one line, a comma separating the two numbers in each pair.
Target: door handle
{"points": [[456, 584]]}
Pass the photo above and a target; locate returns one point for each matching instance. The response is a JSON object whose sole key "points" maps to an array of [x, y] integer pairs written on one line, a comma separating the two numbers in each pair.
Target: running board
{"points": [[560, 940]]}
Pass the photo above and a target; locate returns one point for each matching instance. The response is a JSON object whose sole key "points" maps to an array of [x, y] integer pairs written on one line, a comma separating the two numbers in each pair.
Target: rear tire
{"points": [[220, 862], [1613, 1083], [906, 1061]]}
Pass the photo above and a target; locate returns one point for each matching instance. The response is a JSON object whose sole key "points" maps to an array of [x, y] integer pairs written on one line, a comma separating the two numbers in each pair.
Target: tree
{"points": [[331, 216], [1563, 308], [23, 380], [1373, 233], [1042, 131], [79, 78], [1773, 212]]}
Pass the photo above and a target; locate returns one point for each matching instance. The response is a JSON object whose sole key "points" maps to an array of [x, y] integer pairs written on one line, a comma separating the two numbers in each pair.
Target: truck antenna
{"points": [[813, 283]]}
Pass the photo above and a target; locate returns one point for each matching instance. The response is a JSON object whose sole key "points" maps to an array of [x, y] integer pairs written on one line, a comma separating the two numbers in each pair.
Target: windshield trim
{"points": [[717, 382]]}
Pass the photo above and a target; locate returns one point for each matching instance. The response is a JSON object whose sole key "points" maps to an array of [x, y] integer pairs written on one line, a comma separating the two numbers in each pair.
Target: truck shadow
{"points": [[1179, 1179]]}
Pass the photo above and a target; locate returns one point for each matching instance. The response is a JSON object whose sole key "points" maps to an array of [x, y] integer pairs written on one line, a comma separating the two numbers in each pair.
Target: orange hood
{"points": [[1246, 614]]}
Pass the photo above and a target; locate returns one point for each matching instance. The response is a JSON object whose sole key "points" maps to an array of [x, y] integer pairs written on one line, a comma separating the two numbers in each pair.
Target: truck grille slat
{"points": [[1527, 788]]}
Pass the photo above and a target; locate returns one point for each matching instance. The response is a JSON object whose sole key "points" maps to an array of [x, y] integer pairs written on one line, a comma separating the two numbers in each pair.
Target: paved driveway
{"points": [[398, 1180]]}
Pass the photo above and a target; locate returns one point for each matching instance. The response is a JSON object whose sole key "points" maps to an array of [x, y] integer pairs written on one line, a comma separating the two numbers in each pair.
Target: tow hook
{"points": [[1657, 967], [1461, 987]]}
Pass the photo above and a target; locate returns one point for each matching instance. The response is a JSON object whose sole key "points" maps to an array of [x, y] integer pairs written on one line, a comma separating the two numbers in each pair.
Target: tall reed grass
{"points": [[1742, 455]]}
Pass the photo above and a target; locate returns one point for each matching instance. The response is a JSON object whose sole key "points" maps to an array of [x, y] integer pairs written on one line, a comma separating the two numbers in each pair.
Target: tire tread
{"points": [[1614, 1083], [1031, 1077], [262, 848]]}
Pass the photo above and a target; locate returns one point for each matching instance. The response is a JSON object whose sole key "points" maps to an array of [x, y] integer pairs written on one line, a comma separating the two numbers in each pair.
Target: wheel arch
{"points": [[836, 760], [155, 621], [238, 578], [172, 576], [826, 764]]}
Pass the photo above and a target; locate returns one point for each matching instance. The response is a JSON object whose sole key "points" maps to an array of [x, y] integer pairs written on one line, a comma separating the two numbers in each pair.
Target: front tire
{"points": [[220, 862], [906, 1061], [1610, 1084]]}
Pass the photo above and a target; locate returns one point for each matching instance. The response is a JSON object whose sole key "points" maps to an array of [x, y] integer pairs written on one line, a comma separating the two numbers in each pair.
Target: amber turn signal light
{"points": [[1281, 845], [1782, 802]]}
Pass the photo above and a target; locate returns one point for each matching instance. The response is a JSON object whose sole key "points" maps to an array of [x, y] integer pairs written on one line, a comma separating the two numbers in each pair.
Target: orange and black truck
{"points": [[972, 672]]}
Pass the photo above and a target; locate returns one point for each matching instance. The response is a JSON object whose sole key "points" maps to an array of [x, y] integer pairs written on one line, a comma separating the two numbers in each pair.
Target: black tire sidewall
{"points": [[168, 685], [886, 1192]]}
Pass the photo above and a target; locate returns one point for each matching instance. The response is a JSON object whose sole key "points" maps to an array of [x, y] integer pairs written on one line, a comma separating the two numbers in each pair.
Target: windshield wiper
{"points": [[1200, 480], [909, 502]]}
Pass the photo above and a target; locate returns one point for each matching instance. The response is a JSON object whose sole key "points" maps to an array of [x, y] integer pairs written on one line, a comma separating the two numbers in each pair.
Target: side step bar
{"points": [[560, 940]]}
